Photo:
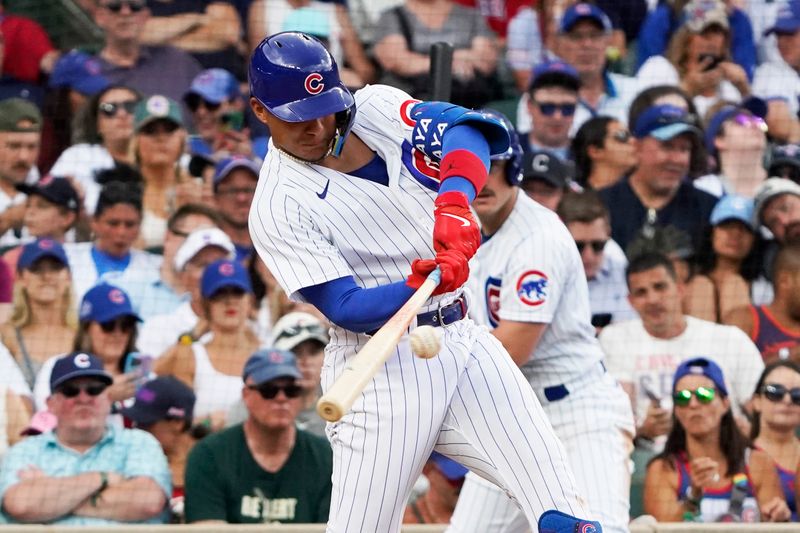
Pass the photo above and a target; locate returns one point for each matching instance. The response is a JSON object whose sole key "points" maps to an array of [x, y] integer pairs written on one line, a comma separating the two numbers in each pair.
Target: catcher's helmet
{"points": [[294, 76], [512, 156]]}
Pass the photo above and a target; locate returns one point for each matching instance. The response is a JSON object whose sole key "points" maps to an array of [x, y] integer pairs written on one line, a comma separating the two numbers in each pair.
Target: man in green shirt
{"points": [[264, 470]]}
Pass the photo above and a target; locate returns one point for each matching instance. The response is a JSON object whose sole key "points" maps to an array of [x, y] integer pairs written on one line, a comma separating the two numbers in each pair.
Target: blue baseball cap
{"points": [[553, 521], [270, 363], [664, 122], [55, 190], [558, 73], [78, 365], [44, 247], [229, 164], [224, 273], [753, 105], [700, 366], [788, 20], [104, 303], [214, 85], [733, 207], [162, 398], [80, 72], [450, 469], [582, 11]]}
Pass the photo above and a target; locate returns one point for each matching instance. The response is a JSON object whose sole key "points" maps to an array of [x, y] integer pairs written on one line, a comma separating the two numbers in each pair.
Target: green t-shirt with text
{"points": [[224, 482]]}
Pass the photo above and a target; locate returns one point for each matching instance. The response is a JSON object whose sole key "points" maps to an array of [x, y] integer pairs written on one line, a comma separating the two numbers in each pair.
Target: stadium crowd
{"points": [[153, 370]]}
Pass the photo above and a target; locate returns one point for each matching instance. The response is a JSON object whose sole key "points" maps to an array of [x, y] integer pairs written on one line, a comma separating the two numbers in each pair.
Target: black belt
{"points": [[444, 316], [559, 392]]}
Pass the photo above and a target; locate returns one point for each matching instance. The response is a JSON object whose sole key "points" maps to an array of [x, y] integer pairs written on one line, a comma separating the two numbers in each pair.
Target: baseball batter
{"points": [[531, 289], [343, 211]]}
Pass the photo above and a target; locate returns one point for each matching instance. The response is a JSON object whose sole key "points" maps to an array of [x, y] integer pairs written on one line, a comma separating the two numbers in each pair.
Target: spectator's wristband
{"points": [[103, 486]]}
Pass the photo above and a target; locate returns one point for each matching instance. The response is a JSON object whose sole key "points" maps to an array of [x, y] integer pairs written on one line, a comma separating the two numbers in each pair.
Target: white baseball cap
{"points": [[770, 189], [199, 239], [294, 328]]}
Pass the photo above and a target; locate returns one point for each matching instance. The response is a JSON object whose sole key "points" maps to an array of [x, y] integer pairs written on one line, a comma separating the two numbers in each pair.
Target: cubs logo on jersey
{"points": [[423, 168], [532, 288], [492, 299]]}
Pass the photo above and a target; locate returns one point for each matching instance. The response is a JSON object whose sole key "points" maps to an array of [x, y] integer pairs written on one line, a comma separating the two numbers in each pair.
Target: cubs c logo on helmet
{"points": [[531, 288], [314, 83]]}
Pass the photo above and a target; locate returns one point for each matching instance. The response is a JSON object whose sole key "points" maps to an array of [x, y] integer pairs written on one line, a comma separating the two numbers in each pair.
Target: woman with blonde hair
{"points": [[43, 320]]}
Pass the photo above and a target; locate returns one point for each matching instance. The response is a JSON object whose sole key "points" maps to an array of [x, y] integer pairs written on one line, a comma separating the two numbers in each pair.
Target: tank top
{"points": [[788, 485], [214, 390], [768, 335], [716, 502]]}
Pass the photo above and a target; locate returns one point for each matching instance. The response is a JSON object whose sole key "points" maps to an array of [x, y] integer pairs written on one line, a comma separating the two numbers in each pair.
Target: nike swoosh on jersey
{"points": [[324, 192], [464, 221]]}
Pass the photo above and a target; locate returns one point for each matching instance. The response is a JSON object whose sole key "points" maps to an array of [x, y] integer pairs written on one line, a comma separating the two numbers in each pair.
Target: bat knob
{"points": [[329, 410]]}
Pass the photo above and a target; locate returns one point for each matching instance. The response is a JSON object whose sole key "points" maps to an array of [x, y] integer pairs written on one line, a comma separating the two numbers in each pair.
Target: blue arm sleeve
{"points": [[464, 137], [354, 308]]}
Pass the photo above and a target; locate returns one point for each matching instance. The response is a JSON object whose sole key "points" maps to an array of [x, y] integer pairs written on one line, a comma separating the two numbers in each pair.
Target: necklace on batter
{"points": [[304, 161]]}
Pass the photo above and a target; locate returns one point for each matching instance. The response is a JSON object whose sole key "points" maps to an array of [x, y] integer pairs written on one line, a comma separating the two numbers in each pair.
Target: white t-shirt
{"points": [[160, 332], [777, 79], [12, 376], [83, 162]]}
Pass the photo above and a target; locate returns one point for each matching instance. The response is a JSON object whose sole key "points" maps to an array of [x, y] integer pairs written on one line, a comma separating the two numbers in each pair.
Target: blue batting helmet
{"points": [[296, 79], [512, 156]]}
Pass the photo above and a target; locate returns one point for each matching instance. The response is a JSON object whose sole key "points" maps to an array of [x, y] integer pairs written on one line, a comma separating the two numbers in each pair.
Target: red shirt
{"points": [[497, 12], [25, 44]]}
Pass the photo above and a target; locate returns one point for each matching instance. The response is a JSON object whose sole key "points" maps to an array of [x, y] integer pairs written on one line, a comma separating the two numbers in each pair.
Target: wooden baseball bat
{"points": [[363, 366], [441, 71]]}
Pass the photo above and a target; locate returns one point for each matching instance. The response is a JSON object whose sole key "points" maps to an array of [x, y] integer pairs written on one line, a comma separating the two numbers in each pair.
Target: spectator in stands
{"points": [[235, 181], [200, 248], [784, 162], [525, 42], [213, 363], [736, 137], [126, 60], [107, 328], [775, 328], [328, 21], [604, 262], [85, 472], [210, 30], [20, 138], [777, 208], [102, 133], [707, 470], [545, 177], [111, 256], [167, 293], [445, 478], [778, 80], [407, 33], [643, 354], [27, 50], [16, 411], [776, 417], [304, 335], [551, 102], [43, 322], [217, 110], [264, 470], [163, 407], [656, 193], [603, 152], [698, 59]]}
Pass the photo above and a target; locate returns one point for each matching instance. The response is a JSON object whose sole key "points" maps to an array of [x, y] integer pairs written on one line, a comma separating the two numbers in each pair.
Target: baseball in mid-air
{"points": [[425, 342]]}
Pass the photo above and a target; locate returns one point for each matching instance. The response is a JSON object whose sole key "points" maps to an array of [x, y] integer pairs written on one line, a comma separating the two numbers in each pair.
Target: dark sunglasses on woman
{"points": [[775, 392], [124, 324], [704, 395], [110, 109], [115, 6]]}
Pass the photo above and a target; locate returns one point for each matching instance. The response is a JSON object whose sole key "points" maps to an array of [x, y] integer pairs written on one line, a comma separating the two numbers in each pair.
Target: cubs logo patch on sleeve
{"points": [[532, 288]]}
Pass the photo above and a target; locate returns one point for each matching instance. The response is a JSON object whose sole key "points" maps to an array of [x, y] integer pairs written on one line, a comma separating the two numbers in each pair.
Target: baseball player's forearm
{"points": [[465, 161], [519, 338]]}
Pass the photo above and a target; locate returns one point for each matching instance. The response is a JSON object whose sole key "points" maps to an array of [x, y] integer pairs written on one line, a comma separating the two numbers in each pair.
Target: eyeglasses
{"points": [[71, 390], [235, 191], [596, 246], [115, 6], [775, 392], [159, 126], [621, 136], [194, 101], [704, 395], [109, 109], [125, 325], [751, 121], [549, 108], [269, 391]]}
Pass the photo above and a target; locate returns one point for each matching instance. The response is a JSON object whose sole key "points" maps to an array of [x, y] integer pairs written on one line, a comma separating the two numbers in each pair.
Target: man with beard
{"points": [[235, 180], [778, 208]]}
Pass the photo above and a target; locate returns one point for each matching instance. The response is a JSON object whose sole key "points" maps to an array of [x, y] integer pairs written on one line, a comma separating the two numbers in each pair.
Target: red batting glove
{"points": [[454, 227], [454, 266]]}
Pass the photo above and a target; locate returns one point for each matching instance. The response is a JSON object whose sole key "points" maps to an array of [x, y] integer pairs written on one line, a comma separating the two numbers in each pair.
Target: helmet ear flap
{"points": [[512, 156], [344, 121]]}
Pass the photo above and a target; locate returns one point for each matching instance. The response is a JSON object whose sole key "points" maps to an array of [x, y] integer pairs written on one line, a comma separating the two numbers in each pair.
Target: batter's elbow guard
{"points": [[553, 521]]}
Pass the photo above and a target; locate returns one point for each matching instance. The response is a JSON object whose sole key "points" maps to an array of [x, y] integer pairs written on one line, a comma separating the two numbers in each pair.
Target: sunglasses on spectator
{"points": [[115, 6], [159, 126], [621, 136], [269, 391], [596, 246], [775, 392], [71, 390], [109, 109], [549, 108], [194, 101], [125, 325], [704, 395], [750, 121]]}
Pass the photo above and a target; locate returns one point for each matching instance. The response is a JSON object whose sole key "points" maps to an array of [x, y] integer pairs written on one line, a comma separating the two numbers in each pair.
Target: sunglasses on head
{"points": [[194, 101], [125, 325], [775, 392], [704, 395], [115, 6], [159, 126], [549, 108], [750, 121], [621, 136], [71, 390], [109, 109], [269, 391], [596, 246]]}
